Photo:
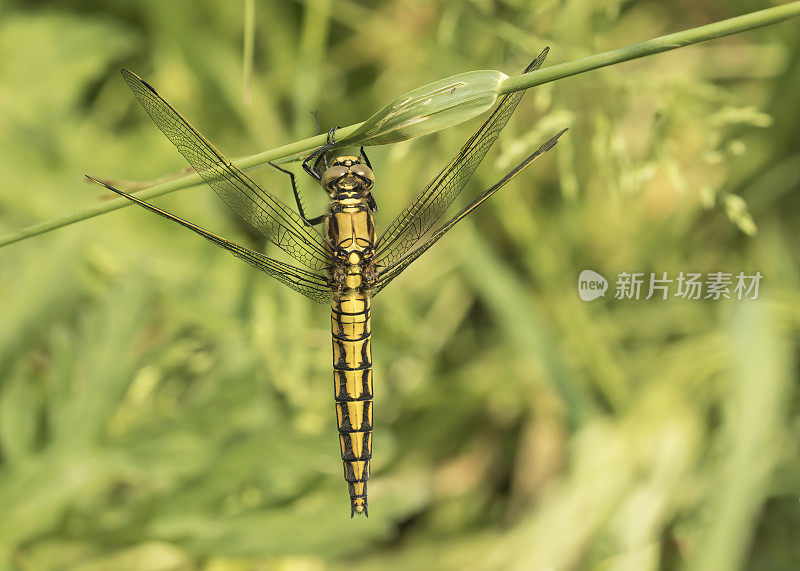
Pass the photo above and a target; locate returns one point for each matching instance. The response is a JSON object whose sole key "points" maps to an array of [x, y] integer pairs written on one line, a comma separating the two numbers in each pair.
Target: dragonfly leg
{"points": [[319, 154], [370, 199], [297, 198], [371, 202], [366, 158], [307, 165], [329, 145]]}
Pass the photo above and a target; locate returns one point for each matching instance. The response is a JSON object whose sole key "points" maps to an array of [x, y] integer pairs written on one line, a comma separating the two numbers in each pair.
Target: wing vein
{"points": [[259, 208], [421, 214], [313, 286], [392, 271]]}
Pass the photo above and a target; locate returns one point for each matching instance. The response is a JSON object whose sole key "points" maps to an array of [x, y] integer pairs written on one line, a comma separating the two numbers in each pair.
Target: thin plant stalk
{"points": [[687, 37], [247, 49], [727, 27]]}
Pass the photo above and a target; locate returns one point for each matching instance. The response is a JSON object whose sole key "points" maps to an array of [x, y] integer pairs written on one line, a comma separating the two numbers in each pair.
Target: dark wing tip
{"points": [[537, 63], [128, 74], [551, 142], [98, 181], [101, 183], [131, 78]]}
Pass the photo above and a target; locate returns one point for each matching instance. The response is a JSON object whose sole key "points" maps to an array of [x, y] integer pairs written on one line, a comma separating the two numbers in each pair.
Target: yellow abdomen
{"points": [[352, 386]]}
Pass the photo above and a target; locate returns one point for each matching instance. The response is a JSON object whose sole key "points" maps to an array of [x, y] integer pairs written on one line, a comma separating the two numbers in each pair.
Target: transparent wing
{"points": [[264, 212], [420, 216], [394, 270], [311, 285]]}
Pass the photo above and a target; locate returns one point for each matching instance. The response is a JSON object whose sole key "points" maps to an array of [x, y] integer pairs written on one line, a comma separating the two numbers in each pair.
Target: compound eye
{"points": [[332, 175], [364, 173]]}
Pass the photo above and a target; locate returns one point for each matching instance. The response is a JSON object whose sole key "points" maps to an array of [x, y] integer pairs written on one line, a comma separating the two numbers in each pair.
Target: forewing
{"points": [[392, 271], [423, 212], [264, 212], [311, 285]]}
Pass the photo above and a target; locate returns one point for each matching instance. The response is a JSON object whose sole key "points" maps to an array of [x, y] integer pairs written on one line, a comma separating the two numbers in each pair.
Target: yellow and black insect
{"points": [[346, 264]]}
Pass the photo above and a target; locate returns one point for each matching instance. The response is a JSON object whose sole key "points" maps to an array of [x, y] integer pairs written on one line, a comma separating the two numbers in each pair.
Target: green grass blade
{"points": [[430, 108]]}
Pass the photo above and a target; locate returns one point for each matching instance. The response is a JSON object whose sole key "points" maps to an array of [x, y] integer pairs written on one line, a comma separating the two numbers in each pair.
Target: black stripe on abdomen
{"points": [[352, 386]]}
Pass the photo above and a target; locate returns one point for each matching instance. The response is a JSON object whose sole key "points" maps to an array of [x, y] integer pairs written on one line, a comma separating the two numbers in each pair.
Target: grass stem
{"points": [[687, 37]]}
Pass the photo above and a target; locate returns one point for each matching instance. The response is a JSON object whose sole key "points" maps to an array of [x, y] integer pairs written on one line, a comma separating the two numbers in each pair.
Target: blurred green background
{"points": [[164, 406]]}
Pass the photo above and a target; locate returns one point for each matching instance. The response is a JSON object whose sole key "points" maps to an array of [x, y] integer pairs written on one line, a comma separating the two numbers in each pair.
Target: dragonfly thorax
{"points": [[350, 231]]}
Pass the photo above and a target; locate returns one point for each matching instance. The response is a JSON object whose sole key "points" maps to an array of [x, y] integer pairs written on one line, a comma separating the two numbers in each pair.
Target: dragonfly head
{"points": [[347, 173]]}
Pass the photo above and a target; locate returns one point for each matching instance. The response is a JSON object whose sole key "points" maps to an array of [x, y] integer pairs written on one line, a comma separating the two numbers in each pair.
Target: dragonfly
{"points": [[345, 265]]}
